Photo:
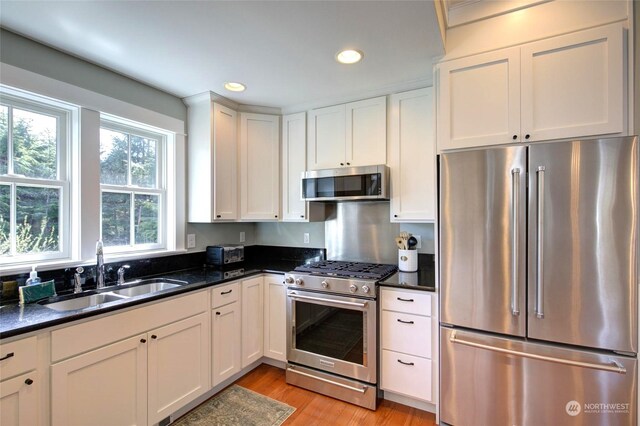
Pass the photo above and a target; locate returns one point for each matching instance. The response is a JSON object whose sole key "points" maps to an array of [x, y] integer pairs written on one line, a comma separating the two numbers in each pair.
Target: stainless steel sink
{"points": [[132, 289], [84, 302], [145, 288]]}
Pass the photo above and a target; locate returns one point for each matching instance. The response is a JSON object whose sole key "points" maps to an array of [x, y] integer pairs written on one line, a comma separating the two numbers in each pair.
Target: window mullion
{"points": [[12, 221], [132, 215], [9, 139], [129, 180]]}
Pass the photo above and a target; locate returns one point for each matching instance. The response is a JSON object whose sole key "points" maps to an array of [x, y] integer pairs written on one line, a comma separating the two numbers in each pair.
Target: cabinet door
{"points": [[225, 342], [573, 85], [225, 170], [107, 386], [19, 400], [294, 152], [412, 156], [326, 138], [479, 100], [275, 306], [252, 320], [179, 365], [366, 137], [259, 167]]}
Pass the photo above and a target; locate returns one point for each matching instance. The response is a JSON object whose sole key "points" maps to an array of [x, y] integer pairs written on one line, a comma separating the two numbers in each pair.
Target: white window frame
{"points": [[119, 124], [64, 114]]}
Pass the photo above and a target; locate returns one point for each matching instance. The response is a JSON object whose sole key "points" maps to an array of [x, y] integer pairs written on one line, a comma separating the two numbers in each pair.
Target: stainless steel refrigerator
{"points": [[539, 284]]}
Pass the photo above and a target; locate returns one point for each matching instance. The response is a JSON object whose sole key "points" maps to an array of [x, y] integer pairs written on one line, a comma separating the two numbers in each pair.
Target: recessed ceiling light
{"points": [[234, 87], [349, 56]]}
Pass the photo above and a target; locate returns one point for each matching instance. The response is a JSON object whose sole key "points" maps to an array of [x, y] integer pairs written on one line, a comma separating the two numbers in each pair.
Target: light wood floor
{"points": [[315, 409]]}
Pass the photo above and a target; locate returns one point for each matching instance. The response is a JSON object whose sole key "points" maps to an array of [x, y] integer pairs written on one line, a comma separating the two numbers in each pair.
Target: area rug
{"points": [[237, 406]]}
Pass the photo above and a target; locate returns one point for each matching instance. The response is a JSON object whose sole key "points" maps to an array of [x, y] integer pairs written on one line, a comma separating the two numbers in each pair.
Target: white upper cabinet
{"points": [[562, 87], [259, 167], [352, 134], [366, 141], [573, 85], [479, 100], [294, 152], [412, 156], [212, 155]]}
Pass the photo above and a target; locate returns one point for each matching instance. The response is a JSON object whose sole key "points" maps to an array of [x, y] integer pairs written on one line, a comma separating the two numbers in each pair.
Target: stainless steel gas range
{"points": [[332, 339]]}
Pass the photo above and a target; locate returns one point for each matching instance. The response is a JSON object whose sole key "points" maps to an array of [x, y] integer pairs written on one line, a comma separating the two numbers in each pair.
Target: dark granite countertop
{"points": [[424, 279], [16, 320]]}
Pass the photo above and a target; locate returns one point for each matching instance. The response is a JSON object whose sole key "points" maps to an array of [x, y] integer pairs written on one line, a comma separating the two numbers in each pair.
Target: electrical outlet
{"points": [[306, 238], [242, 237], [191, 240], [419, 245]]}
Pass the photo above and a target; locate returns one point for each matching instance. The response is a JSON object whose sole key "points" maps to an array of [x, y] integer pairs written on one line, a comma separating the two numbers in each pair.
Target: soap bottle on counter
{"points": [[33, 277]]}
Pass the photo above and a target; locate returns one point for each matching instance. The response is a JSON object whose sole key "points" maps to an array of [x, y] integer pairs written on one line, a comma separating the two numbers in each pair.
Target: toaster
{"points": [[224, 254]]}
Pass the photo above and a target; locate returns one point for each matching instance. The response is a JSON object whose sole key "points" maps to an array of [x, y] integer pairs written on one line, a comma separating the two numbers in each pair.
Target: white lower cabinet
{"points": [[131, 368], [252, 320], [226, 334], [406, 344], [275, 320], [19, 400], [107, 386], [179, 365]]}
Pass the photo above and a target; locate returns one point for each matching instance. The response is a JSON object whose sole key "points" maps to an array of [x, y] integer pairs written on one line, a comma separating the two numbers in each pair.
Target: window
{"points": [[34, 180], [133, 190]]}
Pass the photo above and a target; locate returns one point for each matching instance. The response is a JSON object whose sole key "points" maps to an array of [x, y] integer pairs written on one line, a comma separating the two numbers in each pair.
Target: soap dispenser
{"points": [[33, 277]]}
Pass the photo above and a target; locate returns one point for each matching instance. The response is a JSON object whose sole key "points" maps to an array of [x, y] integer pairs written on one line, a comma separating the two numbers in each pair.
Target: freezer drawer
{"points": [[493, 380]]}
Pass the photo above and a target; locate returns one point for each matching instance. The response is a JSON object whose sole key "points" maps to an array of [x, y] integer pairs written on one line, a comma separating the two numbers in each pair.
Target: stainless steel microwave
{"points": [[346, 184]]}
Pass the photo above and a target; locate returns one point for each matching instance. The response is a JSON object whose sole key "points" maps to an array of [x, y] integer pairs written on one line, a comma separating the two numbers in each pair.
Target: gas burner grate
{"points": [[339, 268]]}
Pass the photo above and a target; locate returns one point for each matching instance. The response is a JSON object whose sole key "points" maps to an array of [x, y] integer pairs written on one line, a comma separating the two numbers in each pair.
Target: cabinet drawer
{"points": [[407, 375], [225, 294], [410, 302], [406, 333], [17, 357]]}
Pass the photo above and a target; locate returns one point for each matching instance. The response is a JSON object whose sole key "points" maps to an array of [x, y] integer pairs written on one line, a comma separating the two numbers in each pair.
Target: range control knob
{"points": [[353, 288], [289, 280], [324, 284], [299, 281], [365, 288]]}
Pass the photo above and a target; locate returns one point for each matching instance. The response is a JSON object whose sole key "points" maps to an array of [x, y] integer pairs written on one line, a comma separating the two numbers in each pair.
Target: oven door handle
{"points": [[328, 301]]}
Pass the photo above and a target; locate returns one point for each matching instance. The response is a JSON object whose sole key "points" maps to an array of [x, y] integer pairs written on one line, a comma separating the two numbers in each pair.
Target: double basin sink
{"points": [[127, 290]]}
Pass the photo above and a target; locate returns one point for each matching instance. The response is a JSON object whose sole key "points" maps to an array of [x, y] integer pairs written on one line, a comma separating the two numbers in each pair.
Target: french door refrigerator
{"points": [[539, 284]]}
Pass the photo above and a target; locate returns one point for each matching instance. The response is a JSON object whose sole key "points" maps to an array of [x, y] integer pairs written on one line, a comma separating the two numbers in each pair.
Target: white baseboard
{"points": [[411, 402]]}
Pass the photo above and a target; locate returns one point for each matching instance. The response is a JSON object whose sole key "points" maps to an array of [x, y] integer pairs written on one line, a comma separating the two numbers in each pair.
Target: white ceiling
{"points": [[282, 50]]}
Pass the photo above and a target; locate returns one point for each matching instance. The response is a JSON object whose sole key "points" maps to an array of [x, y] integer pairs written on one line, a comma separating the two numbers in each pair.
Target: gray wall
{"points": [[27, 54]]}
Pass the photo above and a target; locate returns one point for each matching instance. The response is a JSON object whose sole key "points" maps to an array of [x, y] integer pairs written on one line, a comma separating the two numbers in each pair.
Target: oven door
{"points": [[332, 333]]}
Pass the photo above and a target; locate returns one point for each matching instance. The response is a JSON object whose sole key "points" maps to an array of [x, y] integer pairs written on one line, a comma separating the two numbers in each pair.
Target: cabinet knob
{"points": [[301, 216], [348, 164], [276, 216], [515, 137], [342, 164], [217, 313], [153, 336], [29, 382], [143, 340], [395, 215], [527, 136]]}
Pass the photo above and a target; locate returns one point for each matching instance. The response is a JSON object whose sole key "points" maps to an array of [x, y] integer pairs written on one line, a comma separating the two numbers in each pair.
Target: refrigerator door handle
{"points": [[612, 366], [515, 211], [539, 311]]}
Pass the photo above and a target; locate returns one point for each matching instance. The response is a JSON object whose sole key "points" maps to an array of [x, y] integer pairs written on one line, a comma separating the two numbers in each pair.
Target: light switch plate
{"points": [[242, 237], [306, 238], [191, 240]]}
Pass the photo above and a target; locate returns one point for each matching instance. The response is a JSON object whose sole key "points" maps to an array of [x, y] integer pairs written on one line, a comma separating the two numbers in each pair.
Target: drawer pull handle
{"points": [[143, 340], [404, 300], [405, 363], [153, 336], [29, 382], [405, 322], [7, 356], [227, 292], [217, 313]]}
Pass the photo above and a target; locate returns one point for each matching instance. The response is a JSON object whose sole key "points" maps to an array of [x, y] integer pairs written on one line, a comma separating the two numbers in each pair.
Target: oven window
{"points": [[331, 332]]}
